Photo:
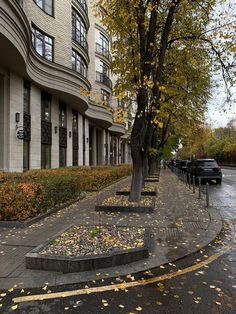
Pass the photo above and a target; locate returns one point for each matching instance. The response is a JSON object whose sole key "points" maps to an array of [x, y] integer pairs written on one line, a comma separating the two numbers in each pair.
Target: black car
{"points": [[183, 165], [206, 169]]}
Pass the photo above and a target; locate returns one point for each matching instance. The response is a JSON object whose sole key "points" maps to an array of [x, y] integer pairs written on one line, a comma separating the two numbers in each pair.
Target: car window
{"points": [[209, 163]]}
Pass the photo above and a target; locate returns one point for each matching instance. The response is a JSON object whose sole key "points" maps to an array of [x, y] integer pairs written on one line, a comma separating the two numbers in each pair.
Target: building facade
{"points": [[56, 102]]}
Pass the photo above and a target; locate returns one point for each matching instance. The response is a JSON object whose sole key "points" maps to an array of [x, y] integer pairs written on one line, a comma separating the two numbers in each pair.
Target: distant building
{"points": [[52, 53]]}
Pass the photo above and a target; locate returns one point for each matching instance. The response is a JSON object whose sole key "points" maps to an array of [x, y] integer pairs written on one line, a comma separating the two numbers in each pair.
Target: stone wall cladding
{"points": [[58, 26]]}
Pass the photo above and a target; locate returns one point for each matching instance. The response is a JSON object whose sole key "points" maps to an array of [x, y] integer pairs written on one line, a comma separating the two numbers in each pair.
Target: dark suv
{"points": [[183, 165], [206, 169]]}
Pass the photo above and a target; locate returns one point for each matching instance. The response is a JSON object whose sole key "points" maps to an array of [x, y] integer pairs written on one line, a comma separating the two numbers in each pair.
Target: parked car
{"points": [[183, 165], [206, 169]]}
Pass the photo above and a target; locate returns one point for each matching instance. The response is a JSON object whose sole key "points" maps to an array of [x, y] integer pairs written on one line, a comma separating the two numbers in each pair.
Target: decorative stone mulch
{"points": [[95, 240], [122, 200], [148, 187]]}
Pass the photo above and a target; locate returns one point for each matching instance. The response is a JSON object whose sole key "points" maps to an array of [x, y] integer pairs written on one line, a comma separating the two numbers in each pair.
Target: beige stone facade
{"points": [[49, 57]]}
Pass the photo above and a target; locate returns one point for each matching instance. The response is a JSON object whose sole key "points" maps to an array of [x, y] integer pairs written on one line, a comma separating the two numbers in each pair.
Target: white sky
{"points": [[219, 111]]}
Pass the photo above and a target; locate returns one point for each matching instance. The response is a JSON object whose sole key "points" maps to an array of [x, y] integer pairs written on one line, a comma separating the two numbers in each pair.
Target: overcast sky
{"points": [[219, 111]]}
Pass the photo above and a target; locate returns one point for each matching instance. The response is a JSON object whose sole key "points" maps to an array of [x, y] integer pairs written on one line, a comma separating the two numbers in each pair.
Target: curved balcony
{"points": [[18, 55], [100, 115], [103, 52], [81, 6], [118, 128], [104, 79]]}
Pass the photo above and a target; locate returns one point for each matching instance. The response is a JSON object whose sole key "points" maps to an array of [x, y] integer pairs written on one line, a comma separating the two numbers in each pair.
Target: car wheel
{"points": [[218, 181]]}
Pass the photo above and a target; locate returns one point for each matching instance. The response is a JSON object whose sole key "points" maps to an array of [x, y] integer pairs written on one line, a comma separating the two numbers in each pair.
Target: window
{"points": [[62, 115], [46, 106], [26, 154], [79, 31], [62, 156], [26, 97], [78, 64], [74, 121], [43, 44], [27, 125], [45, 156], [105, 97], [45, 5], [83, 4], [104, 68], [104, 45]]}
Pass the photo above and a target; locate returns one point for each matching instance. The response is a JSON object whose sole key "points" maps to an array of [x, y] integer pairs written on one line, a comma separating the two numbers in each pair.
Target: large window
{"points": [[45, 5], [43, 44], [26, 155], [46, 106], [78, 64], [45, 156], [105, 97], [62, 115], [27, 125], [104, 69], [104, 46], [26, 97], [79, 31], [83, 4]]}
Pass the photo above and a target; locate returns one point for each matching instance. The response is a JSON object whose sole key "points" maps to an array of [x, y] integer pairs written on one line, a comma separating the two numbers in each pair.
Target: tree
{"points": [[148, 36]]}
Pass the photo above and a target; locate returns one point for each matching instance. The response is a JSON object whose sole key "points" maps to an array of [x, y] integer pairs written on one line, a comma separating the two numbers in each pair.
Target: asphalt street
{"points": [[204, 282]]}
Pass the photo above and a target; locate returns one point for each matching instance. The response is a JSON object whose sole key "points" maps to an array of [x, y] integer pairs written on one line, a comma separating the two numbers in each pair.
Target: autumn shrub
{"points": [[36, 191], [19, 201]]}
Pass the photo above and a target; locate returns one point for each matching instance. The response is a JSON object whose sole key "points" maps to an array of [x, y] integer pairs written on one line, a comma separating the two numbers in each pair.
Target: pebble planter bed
{"points": [[149, 190], [120, 203], [83, 248]]}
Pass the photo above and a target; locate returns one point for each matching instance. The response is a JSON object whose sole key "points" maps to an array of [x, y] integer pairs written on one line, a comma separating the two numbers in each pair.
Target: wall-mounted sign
{"points": [[20, 133]]}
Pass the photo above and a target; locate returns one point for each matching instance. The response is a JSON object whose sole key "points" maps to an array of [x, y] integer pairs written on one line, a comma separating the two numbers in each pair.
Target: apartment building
{"points": [[56, 102]]}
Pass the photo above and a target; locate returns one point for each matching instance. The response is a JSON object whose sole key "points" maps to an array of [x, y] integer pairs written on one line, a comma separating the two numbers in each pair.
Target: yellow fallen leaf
{"points": [[121, 306], [138, 308], [14, 307]]}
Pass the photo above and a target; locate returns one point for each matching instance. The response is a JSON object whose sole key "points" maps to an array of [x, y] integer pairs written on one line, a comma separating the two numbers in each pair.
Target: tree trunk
{"points": [[137, 177], [137, 145], [152, 165]]}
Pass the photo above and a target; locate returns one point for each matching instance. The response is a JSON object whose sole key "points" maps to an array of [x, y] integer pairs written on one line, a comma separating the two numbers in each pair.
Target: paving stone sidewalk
{"points": [[180, 225]]}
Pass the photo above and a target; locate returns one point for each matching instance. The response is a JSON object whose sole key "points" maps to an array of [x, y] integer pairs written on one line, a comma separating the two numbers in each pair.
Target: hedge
{"points": [[26, 195]]}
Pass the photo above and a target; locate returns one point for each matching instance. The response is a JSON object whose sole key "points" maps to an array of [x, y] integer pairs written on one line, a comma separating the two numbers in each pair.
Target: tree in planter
{"points": [[143, 32]]}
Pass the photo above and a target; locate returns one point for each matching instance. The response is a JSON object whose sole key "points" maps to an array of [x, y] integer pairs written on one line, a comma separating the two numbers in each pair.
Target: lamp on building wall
{"points": [[70, 134], [17, 117], [87, 139], [55, 129]]}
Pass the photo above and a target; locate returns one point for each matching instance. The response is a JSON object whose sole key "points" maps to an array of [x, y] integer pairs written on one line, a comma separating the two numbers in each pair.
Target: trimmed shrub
{"points": [[37, 191], [19, 201]]}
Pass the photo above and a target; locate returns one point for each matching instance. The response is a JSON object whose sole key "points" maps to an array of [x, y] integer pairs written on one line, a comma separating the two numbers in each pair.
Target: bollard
{"points": [[200, 188], [207, 194], [193, 184], [186, 177], [189, 181]]}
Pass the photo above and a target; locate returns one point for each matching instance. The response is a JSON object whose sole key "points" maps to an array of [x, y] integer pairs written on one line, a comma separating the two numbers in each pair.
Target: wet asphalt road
{"points": [[211, 288]]}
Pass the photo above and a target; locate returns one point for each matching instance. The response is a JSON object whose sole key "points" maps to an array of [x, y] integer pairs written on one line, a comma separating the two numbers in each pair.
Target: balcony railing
{"points": [[104, 79], [83, 5], [103, 51]]}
